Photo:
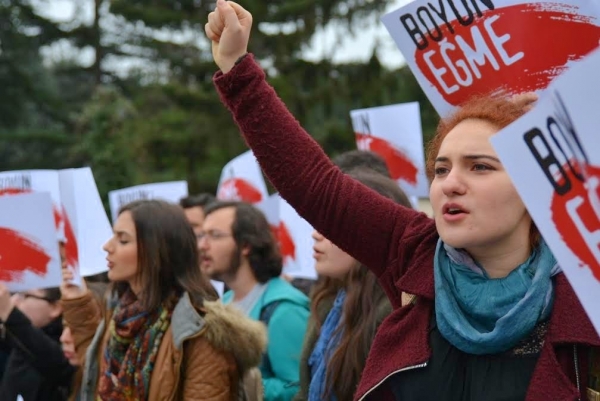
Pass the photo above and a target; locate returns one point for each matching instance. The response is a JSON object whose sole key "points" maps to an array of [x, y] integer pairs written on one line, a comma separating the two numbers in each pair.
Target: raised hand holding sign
{"points": [[526, 100], [228, 28], [69, 290]]}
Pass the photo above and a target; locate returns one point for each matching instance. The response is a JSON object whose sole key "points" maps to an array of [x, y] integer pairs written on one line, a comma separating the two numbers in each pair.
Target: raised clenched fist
{"points": [[228, 28]]}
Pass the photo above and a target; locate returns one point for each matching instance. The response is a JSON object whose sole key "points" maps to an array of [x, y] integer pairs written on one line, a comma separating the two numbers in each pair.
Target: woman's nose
{"points": [[453, 183]]}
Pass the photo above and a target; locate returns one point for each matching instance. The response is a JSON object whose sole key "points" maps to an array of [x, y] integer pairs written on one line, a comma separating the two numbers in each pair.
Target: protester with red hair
{"points": [[494, 317]]}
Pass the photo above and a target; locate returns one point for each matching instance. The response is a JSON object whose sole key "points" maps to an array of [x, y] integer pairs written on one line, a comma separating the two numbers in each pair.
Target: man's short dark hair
{"points": [[251, 229], [52, 294], [361, 159], [202, 200]]}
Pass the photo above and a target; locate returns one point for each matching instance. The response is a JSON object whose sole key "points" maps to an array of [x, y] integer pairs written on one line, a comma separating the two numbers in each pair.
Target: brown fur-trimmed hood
{"points": [[228, 329]]}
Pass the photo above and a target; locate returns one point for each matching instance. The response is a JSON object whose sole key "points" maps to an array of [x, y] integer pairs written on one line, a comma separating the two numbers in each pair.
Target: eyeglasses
{"points": [[212, 235], [25, 295]]}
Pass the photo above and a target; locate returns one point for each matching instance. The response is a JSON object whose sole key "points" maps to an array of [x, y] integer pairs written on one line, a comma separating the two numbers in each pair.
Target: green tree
{"points": [[32, 120], [187, 132], [143, 107], [322, 94]]}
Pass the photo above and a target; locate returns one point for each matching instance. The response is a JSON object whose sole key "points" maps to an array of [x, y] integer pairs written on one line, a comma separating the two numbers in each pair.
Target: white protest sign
{"points": [[296, 243], [293, 234], [29, 255], [88, 222], [270, 208], [168, 191], [27, 181], [46, 181], [394, 132], [219, 287], [553, 157], [457, 49], [242, 180]]}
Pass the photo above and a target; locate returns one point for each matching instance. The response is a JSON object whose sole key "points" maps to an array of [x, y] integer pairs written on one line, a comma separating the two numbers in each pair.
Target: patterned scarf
{"points": [[135, 336]]}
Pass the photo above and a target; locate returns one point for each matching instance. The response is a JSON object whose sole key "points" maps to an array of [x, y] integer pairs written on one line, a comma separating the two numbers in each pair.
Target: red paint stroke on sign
{"points": [[585, 211], [240, 190], [19, 254], [286, 242], [523, 48], [71, 247], [400, 165]]}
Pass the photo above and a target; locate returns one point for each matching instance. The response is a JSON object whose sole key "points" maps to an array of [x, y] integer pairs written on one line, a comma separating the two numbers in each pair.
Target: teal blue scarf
{"points": [[324, 348], [479, 315]]}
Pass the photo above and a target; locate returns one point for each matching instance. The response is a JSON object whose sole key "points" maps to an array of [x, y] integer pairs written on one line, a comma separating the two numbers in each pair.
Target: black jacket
{"points": [[37, 368]]}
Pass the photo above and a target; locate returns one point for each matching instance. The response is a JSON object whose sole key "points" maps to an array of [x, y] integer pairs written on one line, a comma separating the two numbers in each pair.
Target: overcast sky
{"points": [[359, 47]]}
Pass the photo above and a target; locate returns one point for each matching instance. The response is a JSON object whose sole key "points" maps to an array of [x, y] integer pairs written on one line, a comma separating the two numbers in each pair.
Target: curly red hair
{"points": [[497, 111]]}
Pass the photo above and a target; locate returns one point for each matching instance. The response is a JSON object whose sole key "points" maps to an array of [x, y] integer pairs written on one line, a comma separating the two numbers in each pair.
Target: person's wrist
{"points": [[228, 66], [71, 291], [5, 312], [240, 59]]}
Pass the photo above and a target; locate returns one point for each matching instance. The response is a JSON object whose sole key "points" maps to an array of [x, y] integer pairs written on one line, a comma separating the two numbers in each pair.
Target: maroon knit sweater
{"points": [[396, 243]]}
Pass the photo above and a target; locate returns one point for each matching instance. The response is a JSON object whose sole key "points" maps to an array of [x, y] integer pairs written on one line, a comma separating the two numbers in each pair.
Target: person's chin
{"points": [[457, 239], [112, 276], [212, 274]]}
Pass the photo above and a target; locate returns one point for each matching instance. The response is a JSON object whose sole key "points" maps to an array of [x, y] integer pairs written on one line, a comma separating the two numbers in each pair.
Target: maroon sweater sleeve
{"points": [[365, 224]]}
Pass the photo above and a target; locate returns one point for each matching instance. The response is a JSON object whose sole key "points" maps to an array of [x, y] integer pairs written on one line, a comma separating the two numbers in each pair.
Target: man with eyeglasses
{"points": [[238, 247], [193, 207], [30, 329]]}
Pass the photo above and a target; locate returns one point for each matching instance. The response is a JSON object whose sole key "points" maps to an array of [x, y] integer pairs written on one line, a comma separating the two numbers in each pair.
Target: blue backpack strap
{"points": [[267, 312], [265, 316]]}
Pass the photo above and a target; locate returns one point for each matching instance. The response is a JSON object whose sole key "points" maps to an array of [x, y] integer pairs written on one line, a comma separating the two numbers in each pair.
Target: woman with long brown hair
{"points": [[347, 307], [161, 337]]}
